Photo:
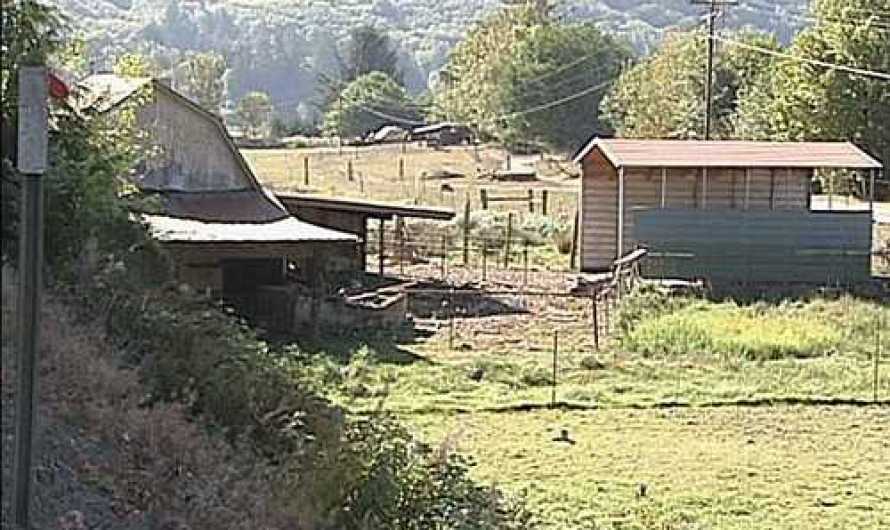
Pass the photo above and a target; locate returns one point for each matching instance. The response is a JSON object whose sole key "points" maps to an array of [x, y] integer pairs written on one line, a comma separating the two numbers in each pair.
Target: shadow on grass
{"points": [[567, 406], [384, 346]]}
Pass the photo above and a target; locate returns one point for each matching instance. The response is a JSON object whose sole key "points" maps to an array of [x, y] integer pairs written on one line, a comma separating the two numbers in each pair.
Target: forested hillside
{"points": [[281, 47]]}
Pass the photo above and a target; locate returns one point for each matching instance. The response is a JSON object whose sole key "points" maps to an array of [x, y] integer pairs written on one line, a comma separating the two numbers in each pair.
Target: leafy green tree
{"points": [[32, 34], [802, 101], [369, 102], [663, 95], [254, 111], [368, 50], [135, 65], [559, 72], [471, 81], [203, 79], [87, 155]]}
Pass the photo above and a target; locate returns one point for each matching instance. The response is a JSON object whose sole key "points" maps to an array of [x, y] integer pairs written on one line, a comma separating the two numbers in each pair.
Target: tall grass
{"points": [[656, 325]]}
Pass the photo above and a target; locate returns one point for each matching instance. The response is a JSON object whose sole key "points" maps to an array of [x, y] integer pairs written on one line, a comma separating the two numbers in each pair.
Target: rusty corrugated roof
{"points": [[246, 206], [294, 201], [622, 152], [286, 230]]}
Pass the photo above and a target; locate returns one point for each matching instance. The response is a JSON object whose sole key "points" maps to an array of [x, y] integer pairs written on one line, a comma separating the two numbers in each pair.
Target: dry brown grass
{"points": [[154, 459], [376, 175]]}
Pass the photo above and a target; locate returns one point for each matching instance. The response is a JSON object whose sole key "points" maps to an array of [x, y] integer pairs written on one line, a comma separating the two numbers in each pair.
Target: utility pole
{"points": [[713, 6], [31, 163]]}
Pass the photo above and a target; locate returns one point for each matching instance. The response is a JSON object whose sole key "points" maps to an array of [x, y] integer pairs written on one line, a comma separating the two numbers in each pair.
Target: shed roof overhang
{"points": [[729, 153], [378, 210]]}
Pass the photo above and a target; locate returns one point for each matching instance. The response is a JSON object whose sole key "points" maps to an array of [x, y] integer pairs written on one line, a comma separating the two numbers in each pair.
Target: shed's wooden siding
{"points": [[192, 151], [599, 211], [684, 188]]}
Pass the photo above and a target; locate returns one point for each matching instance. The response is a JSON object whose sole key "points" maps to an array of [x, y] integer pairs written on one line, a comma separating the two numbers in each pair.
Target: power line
{"points": [[876, 24], [834, 66], [552, 104]]}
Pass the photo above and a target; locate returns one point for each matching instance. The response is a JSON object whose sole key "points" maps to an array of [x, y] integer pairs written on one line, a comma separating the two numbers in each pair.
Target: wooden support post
{"points": [[871, 190], [401, 168], [483, 197], [747, 187], [349, 170], [531, 201], [620, 242], [31, 163], [830, 192], [509, 162], [451, 319], [704, 188], [400, 233], [663, 187], [507, 240], [305, 170], [467, 232], [544, 196], [380, 248]]}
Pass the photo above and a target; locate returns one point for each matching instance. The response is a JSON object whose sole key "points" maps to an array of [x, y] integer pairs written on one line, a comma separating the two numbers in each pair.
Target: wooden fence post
{"points": [[555, 355], [349, 170], [483, 197], [444, 254], [305, 170], [596, 323], [401, 169], [574, 247], [467, 232], [507, 240], [525, 263], [484, 258], [544, 194], [380, 249], [531, 200]]}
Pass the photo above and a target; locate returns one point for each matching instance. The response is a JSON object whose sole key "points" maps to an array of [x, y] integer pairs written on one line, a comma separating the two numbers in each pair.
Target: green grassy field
{"points": [[734, 416]]}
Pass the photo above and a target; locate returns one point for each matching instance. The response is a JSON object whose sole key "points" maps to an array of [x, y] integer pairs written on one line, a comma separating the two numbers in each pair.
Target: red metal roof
{"points": [[623, 152]]}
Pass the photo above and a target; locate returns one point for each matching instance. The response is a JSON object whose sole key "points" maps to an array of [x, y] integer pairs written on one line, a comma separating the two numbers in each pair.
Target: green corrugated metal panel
{"points": [[756, 246]]}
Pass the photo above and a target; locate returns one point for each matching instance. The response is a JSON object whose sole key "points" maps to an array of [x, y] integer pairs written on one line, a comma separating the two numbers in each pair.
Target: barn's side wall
{"points": [[192, 153], [200, 264], [598, 211]]}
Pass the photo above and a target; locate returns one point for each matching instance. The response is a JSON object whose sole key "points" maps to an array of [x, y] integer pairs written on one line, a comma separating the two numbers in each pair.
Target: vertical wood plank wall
{"points": [[779, 188], [599, 213]]}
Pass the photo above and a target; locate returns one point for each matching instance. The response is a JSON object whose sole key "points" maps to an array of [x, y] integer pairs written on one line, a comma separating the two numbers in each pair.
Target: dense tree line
{"points": [[785, 95]]}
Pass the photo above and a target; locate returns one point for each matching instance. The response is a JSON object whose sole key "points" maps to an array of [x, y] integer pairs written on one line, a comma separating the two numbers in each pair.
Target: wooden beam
{"points": [[871, 191], [704, 188], [663, 186], [620, 246]]}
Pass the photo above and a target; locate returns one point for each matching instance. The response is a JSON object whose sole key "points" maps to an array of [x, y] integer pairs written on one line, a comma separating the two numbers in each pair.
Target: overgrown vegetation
{"points": [[322, 468]]}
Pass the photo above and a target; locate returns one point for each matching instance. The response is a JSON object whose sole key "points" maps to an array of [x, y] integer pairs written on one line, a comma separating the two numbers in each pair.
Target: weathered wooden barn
{"points": [[225, 232], [728, 210]]}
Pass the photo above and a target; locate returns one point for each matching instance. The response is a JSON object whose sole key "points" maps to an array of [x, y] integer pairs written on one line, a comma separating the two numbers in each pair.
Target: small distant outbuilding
{"points": [[444, 133], [734, 211]]}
